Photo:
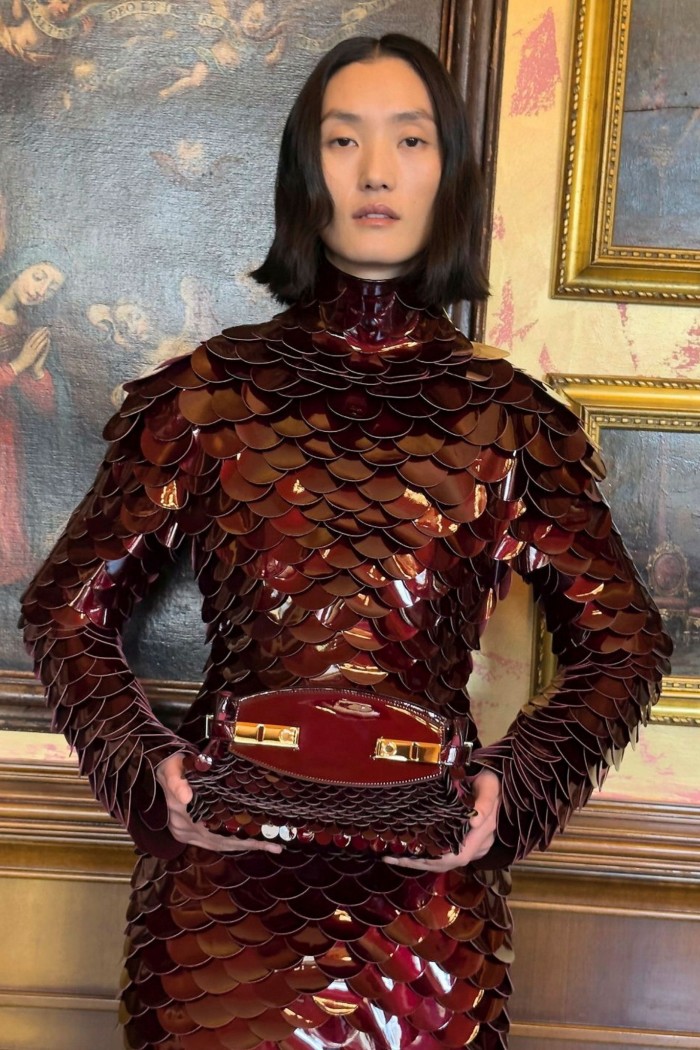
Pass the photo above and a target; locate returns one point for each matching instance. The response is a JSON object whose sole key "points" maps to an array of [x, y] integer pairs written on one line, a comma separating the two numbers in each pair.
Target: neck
{"points": [[373, 314]]}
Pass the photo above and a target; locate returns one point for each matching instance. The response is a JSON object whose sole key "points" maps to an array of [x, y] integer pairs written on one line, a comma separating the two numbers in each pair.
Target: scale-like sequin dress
{"points": [[357, 481]]}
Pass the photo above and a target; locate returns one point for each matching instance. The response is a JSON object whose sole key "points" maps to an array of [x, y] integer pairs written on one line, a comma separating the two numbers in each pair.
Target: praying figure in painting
{"points": [[357, 482], [26, 386]]}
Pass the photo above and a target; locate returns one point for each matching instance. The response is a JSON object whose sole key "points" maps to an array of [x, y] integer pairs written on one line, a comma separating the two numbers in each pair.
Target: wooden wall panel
{"points": [[613, 956], [607, 924], [46, 1024]]}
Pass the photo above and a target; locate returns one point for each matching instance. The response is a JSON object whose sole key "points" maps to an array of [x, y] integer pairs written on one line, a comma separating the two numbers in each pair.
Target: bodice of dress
{"points": [[358, 480]]}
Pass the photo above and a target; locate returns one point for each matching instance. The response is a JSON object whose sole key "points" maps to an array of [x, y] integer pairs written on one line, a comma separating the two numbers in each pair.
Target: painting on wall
{"points": [[139, 147], [139, 151], [630, 214], [648, 431]]}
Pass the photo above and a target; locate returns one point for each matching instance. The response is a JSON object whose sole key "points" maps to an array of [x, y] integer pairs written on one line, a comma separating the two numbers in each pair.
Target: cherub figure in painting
{"points": [[142, 344], [245, 26], [35, 30]]}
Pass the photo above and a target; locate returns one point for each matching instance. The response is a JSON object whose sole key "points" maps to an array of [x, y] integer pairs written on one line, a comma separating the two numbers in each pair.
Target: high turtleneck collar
{"points": [[372, 314]]}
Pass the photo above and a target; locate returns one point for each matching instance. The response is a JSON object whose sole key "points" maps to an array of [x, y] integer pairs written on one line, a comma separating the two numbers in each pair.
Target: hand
{"points": [[35, 348], [38, 368], [178, 794], [486, 787]]}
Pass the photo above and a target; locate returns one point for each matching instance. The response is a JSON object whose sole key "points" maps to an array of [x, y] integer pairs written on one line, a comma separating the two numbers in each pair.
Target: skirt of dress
{"points": [[314, 951]]}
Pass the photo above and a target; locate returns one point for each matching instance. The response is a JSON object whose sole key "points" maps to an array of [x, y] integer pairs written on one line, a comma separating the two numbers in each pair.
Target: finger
{"points": [[224, 845], [424, 865], [269, 847]]}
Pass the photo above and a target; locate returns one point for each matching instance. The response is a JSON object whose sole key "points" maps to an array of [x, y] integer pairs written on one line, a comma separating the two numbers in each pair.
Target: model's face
{"points": [[37, 283], [381, 160]]}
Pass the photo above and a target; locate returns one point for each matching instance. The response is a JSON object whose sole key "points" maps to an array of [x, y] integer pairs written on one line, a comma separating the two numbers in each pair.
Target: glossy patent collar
{"points": [[372, 313]]}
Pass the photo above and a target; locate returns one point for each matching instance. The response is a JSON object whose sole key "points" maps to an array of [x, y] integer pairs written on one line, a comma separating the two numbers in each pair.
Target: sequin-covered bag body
{"points": [[333, 766]]}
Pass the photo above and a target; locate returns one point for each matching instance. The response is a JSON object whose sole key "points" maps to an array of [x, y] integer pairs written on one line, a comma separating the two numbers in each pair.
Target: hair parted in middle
{"points": [[449, 268]]}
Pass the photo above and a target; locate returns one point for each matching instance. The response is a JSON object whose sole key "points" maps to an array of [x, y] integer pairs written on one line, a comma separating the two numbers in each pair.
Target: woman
{"points": [[358, 482], [25, 383]]}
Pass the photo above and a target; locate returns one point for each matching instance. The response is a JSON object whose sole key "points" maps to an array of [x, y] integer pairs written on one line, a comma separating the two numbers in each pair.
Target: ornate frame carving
{"points": [[588, 264]]}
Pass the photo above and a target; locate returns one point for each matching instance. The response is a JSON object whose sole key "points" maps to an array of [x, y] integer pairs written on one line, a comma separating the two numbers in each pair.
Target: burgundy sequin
{"points": [[357, 482]]}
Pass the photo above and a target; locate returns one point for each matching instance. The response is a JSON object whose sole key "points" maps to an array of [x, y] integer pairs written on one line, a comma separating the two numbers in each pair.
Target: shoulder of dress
{"points": [[535, 420], [563, 428], [484, 352], [201, 388], [153, 378], [250, 333], [142, 392]]}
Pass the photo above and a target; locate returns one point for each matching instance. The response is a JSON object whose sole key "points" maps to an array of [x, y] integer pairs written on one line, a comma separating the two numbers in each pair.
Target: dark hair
{"points": [[449, 268]]}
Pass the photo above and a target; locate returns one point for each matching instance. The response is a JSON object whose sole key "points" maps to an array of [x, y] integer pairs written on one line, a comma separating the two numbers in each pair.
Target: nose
{"points": [[377, 168]]}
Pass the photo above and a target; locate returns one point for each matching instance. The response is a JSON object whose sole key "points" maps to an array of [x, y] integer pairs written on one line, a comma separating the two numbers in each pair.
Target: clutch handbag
{"points": [[333, 767]]}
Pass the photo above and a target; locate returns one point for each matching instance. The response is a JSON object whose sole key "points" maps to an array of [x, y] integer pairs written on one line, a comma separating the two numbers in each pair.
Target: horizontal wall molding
{"points": [[628, 1038], [49, 823], [23, 703], [45, 1001], [609, 837], [51, 827]]}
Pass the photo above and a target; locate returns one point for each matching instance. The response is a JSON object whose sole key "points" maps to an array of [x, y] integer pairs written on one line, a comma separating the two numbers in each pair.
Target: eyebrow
{"points": [[407, 116]]}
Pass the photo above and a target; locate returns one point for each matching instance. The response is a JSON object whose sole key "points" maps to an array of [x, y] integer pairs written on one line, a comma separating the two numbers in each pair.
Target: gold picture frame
{"points": [[649, 433], [648, 267]]}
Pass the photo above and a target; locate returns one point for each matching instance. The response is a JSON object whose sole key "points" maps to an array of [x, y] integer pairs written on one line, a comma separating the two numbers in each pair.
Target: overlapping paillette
{"points": [[357, 481]]}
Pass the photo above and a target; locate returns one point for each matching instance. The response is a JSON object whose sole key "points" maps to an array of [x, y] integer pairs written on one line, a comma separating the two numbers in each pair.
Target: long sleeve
{"points": [[74, 610], [608, 639]]}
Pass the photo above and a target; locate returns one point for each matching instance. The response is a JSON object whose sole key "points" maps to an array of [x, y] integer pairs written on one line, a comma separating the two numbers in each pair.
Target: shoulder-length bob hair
{"points": [[449, 268]]}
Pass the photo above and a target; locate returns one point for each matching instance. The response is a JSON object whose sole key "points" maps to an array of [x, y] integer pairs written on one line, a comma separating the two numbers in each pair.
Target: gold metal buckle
{"points": [[407, 751], [262, 733]]}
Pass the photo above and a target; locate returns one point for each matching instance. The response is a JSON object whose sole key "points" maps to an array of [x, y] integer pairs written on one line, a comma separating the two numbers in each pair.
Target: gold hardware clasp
{"points": [[407, 751], [261, 733]]}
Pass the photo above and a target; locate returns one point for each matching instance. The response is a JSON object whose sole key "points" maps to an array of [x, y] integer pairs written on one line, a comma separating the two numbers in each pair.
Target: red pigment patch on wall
{"points": [[504, 332], [497, 667], [539, 71], [623, 311], [686, 358], [498, 229], [546, 363]]}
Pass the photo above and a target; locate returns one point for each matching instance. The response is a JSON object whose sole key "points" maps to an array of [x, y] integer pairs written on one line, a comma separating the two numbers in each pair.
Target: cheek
{"points": [[429, 199]]}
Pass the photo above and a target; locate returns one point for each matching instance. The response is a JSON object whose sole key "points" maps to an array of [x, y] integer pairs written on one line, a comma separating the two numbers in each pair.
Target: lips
{"points": [[377, 211]]}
